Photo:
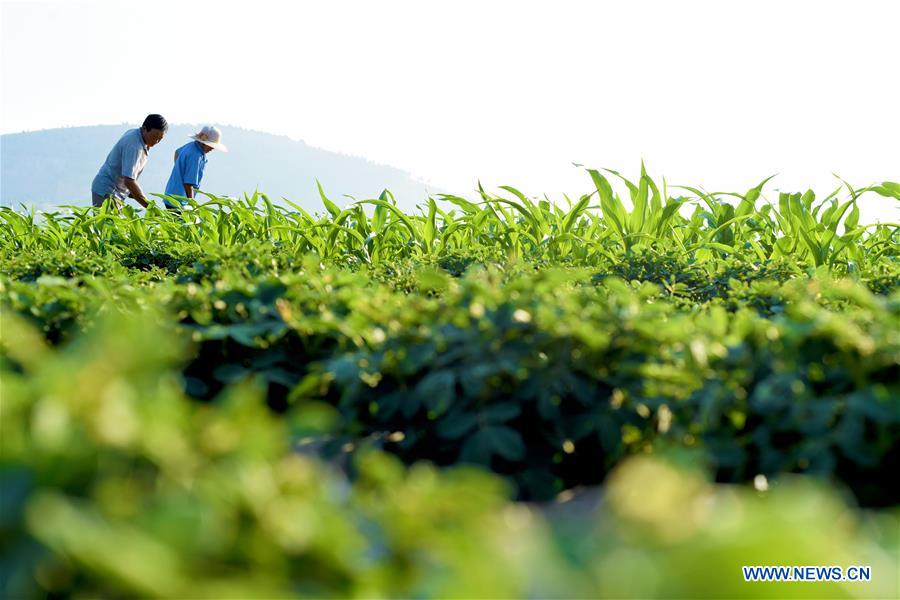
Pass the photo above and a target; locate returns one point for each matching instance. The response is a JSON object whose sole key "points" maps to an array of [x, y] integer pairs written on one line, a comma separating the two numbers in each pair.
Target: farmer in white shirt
{"points": [[117, 178]]}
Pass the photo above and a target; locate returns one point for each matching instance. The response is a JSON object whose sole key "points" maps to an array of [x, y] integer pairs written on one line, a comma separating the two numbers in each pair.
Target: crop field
{"points": [[629, 394]]}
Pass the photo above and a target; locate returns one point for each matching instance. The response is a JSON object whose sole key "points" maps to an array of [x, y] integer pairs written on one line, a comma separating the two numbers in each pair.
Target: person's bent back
{"points": [[118, 177]]}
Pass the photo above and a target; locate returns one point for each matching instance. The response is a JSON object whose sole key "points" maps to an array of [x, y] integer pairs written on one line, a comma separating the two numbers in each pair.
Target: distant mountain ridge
{"points": [[56, 166]]}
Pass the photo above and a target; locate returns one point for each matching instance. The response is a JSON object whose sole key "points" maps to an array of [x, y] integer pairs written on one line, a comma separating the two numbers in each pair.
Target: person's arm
{"points": [[135, 191], [133, 158], [176, 156], [188, 191]]}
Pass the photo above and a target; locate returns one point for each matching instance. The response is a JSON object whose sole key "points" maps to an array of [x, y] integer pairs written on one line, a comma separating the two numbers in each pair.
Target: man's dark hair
{"points": [[155, 122]]}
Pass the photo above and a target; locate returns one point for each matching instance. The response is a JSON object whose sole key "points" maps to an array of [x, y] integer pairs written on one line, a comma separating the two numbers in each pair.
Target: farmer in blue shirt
{"points": [[190, 160]]}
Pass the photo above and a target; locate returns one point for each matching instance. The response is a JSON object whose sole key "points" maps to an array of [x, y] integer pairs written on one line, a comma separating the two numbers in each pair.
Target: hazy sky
{"points": [[719, 94]]}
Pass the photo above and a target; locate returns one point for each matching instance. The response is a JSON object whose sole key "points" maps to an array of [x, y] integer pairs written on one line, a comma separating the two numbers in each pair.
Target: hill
{"points": [[56, 166]]}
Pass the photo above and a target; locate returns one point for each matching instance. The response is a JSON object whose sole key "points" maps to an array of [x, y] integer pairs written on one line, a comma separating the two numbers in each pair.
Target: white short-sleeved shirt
{"points": [[126, 159]]}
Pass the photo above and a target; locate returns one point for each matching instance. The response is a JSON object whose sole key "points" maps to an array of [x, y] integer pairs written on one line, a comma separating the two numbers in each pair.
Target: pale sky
{"points": [[716, 94]]}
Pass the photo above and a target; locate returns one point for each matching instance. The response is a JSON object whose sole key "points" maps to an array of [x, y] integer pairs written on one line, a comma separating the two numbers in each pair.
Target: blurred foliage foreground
{"points": [[115, 484]]}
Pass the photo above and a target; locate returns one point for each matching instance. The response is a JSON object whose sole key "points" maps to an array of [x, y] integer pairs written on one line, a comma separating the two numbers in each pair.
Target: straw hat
{"points": [[211, 136]]}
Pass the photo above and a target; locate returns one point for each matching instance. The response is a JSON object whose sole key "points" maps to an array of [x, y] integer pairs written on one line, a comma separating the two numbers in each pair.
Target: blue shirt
{"points": [[188, 169], [126, 159]]}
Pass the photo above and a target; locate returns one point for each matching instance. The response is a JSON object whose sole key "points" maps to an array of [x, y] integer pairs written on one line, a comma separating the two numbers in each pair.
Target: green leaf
{"points": [[889, 189], [455, 425], [753, 195], [852, 219], [437, 390], [413, 231], [506, 442], [477, 449], [500, 413], [430, 228], [573, 215], [609, 205], [331, 206]]}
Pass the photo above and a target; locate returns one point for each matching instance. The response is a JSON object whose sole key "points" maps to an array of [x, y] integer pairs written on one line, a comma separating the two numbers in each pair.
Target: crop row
{"points": [[598, 226]]}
